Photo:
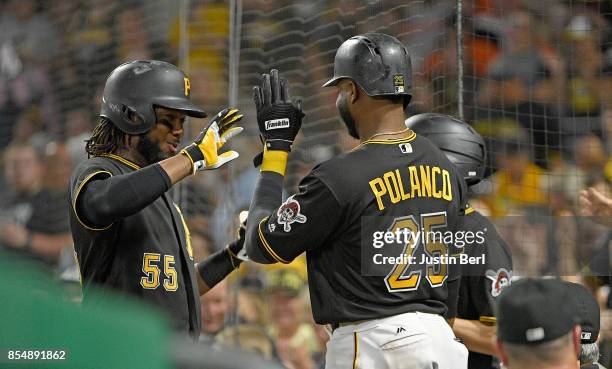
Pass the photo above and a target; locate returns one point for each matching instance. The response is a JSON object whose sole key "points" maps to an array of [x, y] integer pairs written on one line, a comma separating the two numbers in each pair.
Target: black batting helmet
{"points": [[133, 89], [461, 144], [378, 63]]}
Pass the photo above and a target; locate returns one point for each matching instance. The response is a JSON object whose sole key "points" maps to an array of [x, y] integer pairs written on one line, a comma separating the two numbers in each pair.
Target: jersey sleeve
{"points": [[303, 222], [83, 176], [497, 276]]}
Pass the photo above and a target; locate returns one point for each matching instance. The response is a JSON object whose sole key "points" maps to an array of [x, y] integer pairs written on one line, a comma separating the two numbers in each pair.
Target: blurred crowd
{"points": [[535, 82]]}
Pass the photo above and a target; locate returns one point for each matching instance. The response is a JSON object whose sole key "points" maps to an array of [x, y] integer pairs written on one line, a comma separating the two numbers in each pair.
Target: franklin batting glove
{"points": [[278, 118], [204, 151]]}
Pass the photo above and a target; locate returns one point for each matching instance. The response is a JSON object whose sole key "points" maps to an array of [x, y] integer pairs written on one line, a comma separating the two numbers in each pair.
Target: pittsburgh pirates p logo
{"points": [[187, 86]]}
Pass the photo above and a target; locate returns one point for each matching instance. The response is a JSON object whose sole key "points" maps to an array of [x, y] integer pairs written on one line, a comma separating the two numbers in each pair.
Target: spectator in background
{"points": [[78, 130], [522, 85], [568, 176], [214, 305], [29, 127], [597, 204], [93, 42], [295, 339], [436, 82], [590, 159], [524, 62], [28, 31], [537, 326], [133, 40], [208, 32], [27, 42], [35, 220], [518, 182], [583, 94], [590, 156]]}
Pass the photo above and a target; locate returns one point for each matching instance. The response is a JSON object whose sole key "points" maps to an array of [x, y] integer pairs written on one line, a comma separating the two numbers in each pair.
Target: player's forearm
{"points": [[216, 268], [177, 167], [476, 336], [266, 198], [106, 201]]}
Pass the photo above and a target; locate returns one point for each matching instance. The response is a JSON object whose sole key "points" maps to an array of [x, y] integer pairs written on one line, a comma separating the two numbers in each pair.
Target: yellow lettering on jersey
{"points": [[392, 189], [437, 194], [400, 183], [378, 187], [414, 181], [447, 194], [425, 181]]}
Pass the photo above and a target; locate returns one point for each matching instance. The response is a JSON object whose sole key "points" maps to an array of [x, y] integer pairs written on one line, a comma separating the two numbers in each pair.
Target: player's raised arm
{"points": [[104, 199], [279, 232]]}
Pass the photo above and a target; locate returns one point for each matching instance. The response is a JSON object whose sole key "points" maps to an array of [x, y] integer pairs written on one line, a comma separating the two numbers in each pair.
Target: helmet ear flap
{"points": [[132, 117]]}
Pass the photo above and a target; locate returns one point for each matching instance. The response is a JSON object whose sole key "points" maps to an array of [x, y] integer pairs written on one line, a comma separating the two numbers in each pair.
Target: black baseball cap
{"points": [[534, 311], [588, 312], [285, 281]]}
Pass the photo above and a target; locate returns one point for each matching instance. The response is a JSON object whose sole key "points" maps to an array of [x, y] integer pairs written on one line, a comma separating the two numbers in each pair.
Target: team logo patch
{"points": [[187, 85], [277, 124], [289, 213], [500, 278], [398, 83]]}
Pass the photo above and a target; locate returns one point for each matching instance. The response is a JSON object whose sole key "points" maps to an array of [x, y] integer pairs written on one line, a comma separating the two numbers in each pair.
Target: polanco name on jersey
{"points": [[422, 181]]}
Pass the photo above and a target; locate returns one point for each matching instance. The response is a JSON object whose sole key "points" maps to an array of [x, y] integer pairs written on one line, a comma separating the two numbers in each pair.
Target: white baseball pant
{"points": [[405, 341]]}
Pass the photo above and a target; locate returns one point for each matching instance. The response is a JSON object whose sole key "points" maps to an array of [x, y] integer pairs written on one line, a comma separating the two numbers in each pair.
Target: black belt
{"points": [[335, 326]]}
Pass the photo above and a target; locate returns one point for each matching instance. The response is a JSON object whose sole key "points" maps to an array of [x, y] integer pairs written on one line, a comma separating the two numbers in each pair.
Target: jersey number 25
{"points": [[407, 276]]}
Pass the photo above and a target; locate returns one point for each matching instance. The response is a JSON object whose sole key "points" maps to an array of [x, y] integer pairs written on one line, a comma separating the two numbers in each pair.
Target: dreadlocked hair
{"points": [[105, 139]]}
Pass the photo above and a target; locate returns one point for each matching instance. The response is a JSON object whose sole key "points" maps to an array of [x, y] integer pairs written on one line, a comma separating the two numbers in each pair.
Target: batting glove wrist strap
{"points": [[194, 154], [274, 161]]}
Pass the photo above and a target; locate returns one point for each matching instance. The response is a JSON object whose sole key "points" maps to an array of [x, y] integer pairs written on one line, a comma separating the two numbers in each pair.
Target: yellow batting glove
{"points": [[204, 152]]}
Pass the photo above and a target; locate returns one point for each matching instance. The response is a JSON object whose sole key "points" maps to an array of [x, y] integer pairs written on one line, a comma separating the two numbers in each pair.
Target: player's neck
{"points": [[381, 121]]}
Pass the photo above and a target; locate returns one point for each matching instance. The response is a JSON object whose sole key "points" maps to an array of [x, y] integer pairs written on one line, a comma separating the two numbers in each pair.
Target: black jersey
{"points": [[147, 255], [344, 208], [483, 281]]}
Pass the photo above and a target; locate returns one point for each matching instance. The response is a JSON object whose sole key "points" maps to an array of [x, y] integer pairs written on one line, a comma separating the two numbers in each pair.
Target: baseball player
{"points": [[385, 304], [128, 233], [483, 280]]}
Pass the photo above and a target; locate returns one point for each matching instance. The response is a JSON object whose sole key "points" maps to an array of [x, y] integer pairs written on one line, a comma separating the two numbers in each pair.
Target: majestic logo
{"points": [[405, 148], [500, 278], [187, 86], [289, 213], [398, 83], [277, 124]]}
